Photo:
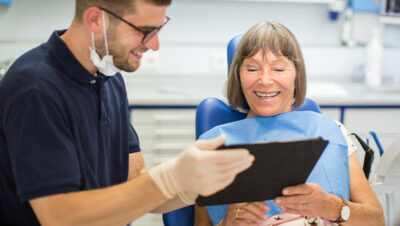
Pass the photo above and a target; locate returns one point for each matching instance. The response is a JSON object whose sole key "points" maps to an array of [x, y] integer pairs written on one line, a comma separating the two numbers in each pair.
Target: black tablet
{"points": [[276, 166]]}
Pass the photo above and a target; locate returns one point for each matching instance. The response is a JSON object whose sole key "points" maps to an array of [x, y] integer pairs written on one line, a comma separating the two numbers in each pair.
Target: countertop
{"points": [[324, 93]]}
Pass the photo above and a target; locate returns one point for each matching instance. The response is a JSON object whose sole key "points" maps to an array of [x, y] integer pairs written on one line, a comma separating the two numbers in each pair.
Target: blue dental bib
{"points": [[331, 172]]}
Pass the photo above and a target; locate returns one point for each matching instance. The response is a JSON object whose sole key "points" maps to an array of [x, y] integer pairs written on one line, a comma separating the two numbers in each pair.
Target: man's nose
{"points": [[153, 43]]}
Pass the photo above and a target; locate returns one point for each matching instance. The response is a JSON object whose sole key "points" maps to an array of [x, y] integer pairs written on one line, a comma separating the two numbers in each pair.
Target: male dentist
{"points": [[68, 153]]}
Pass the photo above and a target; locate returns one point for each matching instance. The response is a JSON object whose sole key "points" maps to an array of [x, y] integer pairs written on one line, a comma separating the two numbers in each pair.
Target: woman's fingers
{"points": [[300, 189], [251, 212], [263, 206], [294, 199], [298, 207]]}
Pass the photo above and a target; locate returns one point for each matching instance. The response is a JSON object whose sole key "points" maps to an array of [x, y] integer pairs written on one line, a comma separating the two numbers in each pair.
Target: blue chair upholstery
{"points": [[212, 112], [231, 49], [309, 105], [180, 217]]}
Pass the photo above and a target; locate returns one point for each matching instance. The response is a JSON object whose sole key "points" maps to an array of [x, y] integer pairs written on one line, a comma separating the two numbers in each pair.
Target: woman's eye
{"points": [[252, 69], [279, 69]]}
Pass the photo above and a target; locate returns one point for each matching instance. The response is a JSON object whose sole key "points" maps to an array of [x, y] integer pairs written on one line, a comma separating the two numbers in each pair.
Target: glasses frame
{"points": [[147, 35]]}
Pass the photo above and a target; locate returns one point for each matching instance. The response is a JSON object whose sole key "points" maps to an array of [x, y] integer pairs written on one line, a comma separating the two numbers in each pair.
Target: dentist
{"points": [[68, 153]]}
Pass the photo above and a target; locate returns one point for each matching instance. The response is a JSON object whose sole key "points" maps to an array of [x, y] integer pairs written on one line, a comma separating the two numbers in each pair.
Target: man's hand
{"points": [[200, 169]]}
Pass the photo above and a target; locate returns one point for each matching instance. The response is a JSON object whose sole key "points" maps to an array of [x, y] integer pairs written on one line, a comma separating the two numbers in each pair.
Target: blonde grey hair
{"points": [[267, 36]]}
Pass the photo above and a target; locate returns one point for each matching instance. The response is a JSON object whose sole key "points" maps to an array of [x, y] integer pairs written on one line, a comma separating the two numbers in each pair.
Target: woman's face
{"points": [[268, 84]]}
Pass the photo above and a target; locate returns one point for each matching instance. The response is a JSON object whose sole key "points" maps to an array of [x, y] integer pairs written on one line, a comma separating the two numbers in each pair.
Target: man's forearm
{"points": [[115, 205], [170, 205]]}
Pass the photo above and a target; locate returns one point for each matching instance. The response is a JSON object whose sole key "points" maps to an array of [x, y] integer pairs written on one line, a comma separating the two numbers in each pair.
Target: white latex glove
{"points": [[200, 170]]}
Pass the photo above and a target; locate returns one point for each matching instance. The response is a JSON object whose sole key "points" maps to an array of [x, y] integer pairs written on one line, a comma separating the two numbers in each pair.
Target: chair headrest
{"points": [[231, 49]]}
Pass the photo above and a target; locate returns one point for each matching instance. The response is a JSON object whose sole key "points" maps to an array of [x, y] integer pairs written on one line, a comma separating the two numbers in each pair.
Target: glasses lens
{"points": [[152, 33]]}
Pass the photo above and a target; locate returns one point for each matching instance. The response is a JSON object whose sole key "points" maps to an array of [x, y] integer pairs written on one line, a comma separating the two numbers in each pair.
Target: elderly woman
{"points": [[268, 78]]}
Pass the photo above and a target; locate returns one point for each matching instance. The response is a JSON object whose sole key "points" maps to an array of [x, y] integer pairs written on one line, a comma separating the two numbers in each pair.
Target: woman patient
{"points": [[268, 77]]}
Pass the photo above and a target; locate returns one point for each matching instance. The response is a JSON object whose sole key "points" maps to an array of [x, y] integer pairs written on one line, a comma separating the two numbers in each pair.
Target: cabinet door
{"points": [[333, 113], [163, 133], [385, 122]]}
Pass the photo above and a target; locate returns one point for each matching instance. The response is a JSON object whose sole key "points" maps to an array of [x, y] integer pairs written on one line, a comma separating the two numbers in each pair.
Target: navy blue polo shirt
{"points": [[61, 130]]}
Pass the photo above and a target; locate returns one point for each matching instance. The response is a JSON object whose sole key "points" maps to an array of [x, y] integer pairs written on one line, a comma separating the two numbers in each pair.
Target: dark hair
{"points": [[267, 36], [120, 7]]}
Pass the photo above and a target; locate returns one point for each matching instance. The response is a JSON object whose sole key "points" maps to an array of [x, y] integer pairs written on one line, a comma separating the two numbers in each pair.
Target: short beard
{"points": [[120, 61]]}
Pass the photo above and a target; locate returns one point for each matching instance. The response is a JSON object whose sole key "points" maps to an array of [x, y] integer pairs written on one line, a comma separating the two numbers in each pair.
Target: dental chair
{"points": [[387, 187], [212, 112]]}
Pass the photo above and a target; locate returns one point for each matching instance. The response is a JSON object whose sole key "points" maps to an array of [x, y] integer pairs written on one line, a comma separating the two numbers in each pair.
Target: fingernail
{"points": [[278, 201], [285, 191]]}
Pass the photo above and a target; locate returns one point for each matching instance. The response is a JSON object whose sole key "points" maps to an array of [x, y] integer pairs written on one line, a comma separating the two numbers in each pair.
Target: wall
{"points": [[194, 42]]}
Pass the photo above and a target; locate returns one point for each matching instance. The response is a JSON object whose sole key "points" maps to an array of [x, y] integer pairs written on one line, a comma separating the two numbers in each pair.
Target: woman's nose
{"points": [[265, 77]]}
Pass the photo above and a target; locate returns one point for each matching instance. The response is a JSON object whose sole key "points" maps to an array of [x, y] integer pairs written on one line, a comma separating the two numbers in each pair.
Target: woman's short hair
{"points": [[267, 36]]}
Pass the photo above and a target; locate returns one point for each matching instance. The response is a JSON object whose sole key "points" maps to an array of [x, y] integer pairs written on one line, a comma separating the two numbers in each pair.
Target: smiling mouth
{"points": [[137, 54], [267, 95]]}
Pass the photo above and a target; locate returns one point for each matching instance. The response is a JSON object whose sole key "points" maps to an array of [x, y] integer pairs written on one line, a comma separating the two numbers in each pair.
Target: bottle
{"points": [[374, 59]]}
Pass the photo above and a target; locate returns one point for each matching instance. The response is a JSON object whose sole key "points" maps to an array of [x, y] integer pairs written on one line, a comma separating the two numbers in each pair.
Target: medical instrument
{"points": [[369, 156]]}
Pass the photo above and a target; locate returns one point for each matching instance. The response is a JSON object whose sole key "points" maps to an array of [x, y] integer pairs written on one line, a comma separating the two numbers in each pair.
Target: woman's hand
{"points": [[250, 213], [309, 200]]}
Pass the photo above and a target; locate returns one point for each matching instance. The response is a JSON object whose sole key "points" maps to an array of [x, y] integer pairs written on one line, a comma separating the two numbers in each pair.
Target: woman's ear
{"points": [[93, 19]]}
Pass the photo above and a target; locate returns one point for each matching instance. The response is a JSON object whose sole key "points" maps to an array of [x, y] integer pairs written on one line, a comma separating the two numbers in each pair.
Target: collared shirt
{"points": [[61, 130]]}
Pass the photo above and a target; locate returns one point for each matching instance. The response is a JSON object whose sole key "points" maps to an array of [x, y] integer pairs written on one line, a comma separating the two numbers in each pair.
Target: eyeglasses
{"points": [[147, 34]]}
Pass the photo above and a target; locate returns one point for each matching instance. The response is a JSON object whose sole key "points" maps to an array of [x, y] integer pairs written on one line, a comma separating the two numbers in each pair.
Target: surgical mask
{"points": [[106, 65]]}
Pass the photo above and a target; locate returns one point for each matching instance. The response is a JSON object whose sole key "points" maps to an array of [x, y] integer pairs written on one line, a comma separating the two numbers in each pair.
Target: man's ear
{"points": [[93, 19]]}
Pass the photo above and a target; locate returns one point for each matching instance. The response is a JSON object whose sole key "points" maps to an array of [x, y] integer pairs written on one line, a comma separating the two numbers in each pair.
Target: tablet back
{"points": [[276, 166]]}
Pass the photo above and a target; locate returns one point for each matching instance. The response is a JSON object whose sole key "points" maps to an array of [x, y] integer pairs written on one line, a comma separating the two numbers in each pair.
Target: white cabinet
{"points": [[163, 133], [385, 122], [333, 113]]}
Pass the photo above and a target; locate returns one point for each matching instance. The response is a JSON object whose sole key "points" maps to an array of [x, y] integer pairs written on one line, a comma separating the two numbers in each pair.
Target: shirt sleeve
{"points": [[133, 140], [351, 147], [41, 147]]}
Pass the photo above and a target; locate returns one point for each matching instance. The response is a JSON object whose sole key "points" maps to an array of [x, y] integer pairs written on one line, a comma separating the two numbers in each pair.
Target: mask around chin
{"points": [[106, 65]]}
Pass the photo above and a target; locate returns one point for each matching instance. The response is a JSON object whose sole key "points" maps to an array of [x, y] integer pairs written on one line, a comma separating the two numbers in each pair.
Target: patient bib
{"points": [[331, 171]]}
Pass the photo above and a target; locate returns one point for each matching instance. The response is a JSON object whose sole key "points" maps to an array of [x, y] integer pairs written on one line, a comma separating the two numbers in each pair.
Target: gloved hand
{"points": [[200, 170]]}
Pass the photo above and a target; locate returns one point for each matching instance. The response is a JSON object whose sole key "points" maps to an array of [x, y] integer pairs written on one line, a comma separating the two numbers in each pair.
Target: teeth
{"points": [[140, 54], [267, 95]]}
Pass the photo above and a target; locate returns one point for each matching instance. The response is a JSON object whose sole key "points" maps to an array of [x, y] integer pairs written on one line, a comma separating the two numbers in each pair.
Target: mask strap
{"points": [[105, 33], [93, 45]]}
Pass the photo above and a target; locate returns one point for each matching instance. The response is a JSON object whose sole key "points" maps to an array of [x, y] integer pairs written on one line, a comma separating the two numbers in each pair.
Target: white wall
{"points": [[194, 42]]}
